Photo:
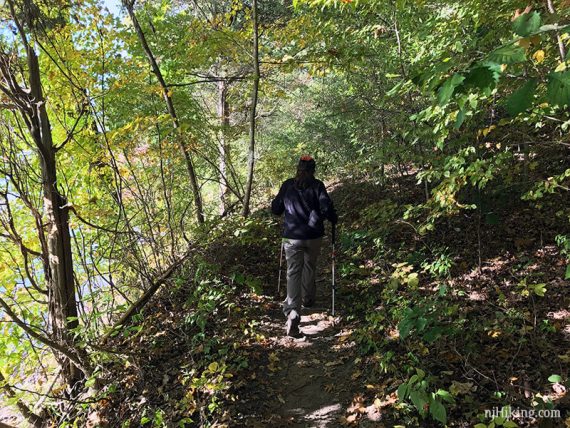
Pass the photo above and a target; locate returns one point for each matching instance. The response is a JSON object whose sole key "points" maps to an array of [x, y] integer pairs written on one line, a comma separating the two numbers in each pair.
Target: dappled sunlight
{"points": [[325, 416], [477, 296], [314, 324]]}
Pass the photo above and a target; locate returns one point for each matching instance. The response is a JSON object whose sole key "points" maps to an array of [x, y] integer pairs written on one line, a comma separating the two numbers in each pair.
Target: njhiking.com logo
{"points": [[508, 413]]}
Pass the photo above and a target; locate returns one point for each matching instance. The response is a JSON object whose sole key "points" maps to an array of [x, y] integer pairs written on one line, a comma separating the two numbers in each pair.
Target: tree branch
{"points": [[143, 300], [34, 419], [45, 340]]}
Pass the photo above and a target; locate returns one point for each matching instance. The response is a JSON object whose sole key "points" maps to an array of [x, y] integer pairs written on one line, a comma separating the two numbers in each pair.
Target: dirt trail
{"points": [[299, 382]]}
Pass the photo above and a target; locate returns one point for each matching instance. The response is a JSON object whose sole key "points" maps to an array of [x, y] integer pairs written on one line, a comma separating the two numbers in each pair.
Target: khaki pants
{"points": [[301, 271]]}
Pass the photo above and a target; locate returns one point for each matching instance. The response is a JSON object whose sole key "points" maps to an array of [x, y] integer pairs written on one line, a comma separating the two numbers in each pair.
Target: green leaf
{"points": [[432, 334], [510, 54], [445, 395], [527, 24], [522, 98], [510, 424], [459, 119], [413, 280], [419, 398], [567, 274], [404, 327], [421, 373], [421, 323], [395, 89], [480, 426], [555, 378], [446, 90], [484, 76], [438, 412], [539, 289], [558, 90], [403, 391]]}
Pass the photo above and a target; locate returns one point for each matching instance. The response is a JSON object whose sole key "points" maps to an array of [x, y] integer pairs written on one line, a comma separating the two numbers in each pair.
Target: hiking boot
{"points": [[293, 321]]}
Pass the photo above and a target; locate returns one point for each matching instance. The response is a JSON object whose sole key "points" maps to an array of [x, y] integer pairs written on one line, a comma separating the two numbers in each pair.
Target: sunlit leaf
{"points": [[538, 56], [555, 378], [446, 91]]}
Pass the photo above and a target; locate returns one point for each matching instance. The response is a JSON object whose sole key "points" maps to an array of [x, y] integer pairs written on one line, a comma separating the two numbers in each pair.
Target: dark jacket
{"points": [[305, 210]]}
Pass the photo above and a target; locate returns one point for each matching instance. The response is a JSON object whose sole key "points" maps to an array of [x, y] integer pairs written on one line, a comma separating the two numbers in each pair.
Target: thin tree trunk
{"points": [[223, 147], [399, 43], [256, 76], [62, 304], [129, 5], [561, 48]]}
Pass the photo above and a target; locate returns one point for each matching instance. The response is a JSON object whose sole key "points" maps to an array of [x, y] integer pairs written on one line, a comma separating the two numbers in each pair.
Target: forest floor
{"points": [[419, 310]]}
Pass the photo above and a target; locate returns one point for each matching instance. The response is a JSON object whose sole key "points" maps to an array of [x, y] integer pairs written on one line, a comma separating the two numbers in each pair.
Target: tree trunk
{"points": [[223, 147], [255, 90], [129, 5], [62, 304]]}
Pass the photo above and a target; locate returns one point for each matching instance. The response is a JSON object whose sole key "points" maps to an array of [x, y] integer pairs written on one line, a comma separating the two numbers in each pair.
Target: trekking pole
{"points": [[280, 264], [333, 263]]}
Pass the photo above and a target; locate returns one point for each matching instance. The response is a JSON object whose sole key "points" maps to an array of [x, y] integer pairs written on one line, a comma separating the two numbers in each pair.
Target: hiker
{"points": [[306, 204]]}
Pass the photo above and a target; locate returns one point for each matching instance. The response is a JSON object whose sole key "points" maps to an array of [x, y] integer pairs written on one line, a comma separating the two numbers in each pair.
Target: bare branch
{"points": [[45, 340]]}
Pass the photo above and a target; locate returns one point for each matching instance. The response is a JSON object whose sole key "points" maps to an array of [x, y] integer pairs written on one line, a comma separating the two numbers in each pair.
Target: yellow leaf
{"points": [[488, 130], [538, 56], [524, 43], [535, 40], [213, 367], [561, 67]]}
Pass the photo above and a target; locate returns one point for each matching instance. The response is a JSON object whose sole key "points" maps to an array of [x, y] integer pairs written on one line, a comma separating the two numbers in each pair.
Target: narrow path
{"points": [[304, 382]]}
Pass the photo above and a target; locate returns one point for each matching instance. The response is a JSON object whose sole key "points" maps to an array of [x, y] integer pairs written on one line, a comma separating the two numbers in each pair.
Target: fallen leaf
{"points": [[458, 388]]}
